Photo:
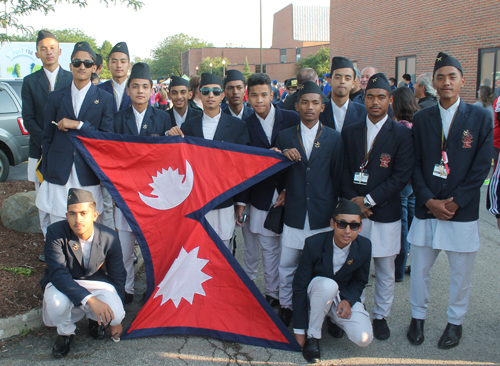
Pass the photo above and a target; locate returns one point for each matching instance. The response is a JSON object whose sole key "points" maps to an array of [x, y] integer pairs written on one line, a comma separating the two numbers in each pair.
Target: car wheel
{"points": [[4, 166]]}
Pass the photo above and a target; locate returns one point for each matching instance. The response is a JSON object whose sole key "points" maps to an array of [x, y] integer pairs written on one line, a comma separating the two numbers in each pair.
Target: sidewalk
{"points": [[479, 344]]}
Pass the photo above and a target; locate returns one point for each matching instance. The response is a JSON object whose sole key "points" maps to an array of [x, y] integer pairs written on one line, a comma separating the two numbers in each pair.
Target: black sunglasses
{"points": [[353, 225], [206, 91], [77, 63]]}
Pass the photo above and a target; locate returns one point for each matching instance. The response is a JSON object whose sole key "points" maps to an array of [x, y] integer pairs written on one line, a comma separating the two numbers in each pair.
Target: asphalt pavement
{"points": [[479, 344]]}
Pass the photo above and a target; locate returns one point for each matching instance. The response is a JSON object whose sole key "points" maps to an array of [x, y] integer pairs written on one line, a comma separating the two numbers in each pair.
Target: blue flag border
{"points": [[198, 215]]}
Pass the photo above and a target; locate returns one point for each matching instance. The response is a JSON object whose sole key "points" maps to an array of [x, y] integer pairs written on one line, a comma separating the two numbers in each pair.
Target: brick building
{"points": [[401, 37], [298, 31]]}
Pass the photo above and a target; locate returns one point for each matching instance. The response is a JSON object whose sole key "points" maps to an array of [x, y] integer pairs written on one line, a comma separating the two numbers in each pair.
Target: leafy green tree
{"points": [[217, 67], [167, 55], [320, 61], [105, 49], [9, 19], [246, 69]]}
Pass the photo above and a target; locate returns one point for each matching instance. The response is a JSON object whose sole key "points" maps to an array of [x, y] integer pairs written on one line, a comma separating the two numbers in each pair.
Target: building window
{"points": [[283, 56], [405, 65], [488, 71], [297, 55], [257, 69]]}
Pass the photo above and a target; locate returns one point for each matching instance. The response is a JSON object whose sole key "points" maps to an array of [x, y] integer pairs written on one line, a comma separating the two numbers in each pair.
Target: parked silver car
{"points": [[14, 138]]}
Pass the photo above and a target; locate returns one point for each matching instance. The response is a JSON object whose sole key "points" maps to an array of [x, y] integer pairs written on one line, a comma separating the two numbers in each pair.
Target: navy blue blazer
{"points": [[261, 195], [64, 258], [312, 185], [317, 261], [191, 113], [230, 129], [390, 166], [355, 112], [35, 93], [126, 101], [469, 150], [155, 122], [58, 151], [247, 111]]}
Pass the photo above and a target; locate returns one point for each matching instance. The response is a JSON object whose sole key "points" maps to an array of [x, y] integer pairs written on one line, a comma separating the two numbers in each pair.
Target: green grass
{"points": [[23, 332], [26, 272]]}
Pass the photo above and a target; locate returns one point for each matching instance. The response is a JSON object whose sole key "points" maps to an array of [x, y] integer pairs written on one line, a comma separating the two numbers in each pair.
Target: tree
{"points": [[71, 35], [167, 56], [246, 69], [18, 8], [320, 61], [105, 49], [217, 67]]}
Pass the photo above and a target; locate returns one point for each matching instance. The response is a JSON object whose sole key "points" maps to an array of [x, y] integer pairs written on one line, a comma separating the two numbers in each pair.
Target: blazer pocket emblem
{"points": [[96, 101], [385, 159], [317, 145], [467, 140], [349, 262], [75, 246]]}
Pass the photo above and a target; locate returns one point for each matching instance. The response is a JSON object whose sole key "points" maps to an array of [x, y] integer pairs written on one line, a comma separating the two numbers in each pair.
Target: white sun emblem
{"points": [[184, 278], [169, 188]]}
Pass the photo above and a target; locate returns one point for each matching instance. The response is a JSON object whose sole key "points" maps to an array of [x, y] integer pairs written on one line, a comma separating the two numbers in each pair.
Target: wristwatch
{"points": [[367, 203]]}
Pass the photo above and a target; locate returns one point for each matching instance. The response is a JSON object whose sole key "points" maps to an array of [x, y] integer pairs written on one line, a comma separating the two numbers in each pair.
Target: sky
{"points": [[236, 22]]}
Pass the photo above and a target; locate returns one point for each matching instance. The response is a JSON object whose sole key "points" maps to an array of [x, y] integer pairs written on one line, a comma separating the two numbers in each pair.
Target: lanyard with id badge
{"points": [[442, 170], [362, 176]]}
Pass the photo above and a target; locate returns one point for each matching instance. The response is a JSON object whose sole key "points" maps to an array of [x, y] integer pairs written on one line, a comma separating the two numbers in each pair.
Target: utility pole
{"points": [[261, 69]]}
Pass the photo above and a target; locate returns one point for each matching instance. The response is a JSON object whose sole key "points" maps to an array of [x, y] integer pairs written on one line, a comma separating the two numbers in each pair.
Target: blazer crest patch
{"points": [[75, 246], [349, 262], [385, 159], [467, 140]]}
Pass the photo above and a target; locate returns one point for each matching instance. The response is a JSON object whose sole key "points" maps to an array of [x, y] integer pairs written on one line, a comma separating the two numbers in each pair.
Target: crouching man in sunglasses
{"points": [[214, 125], [80, 105], [332, 274]]}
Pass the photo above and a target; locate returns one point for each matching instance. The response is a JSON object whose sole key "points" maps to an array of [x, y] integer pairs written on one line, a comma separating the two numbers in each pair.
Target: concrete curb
{"points": [[20, 324]]}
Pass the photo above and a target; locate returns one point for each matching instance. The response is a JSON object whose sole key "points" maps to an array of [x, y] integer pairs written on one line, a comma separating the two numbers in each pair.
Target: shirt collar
{"points": [[305, 130], [119, 86], [83, 91], [89, 240], [453, 108], [177, 114], [53, 73], [210, 119], [240, 115], [270, 115], [343, 107], [377, 125], [137, 114]]}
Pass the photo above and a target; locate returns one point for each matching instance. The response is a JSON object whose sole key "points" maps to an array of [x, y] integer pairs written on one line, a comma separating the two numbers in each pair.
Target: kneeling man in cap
{"points": [[75, 283], [332, 274]]}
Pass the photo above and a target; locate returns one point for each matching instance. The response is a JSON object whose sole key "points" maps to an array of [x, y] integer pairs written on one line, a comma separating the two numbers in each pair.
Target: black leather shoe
{"points": [[62, 346], [333, 329], [381, 330], [129, 298], [310, 351], [95, 330], [285, 315], [415, 332], [451, 336], [272, 301]]}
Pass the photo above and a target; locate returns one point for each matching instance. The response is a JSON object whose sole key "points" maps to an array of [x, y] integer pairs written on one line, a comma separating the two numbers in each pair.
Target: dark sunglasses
{"points": [[353, 225], [206, 91], [77, 63]]}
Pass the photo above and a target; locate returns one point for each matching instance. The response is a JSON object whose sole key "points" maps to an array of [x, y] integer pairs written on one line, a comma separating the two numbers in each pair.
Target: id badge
{"points": [[440, 171], [361, 178]]}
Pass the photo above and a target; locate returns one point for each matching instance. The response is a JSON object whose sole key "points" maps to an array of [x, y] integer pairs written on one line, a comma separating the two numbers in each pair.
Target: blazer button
{"points": [[308, 168], [74, 152], [308, 199], [308, 184]]}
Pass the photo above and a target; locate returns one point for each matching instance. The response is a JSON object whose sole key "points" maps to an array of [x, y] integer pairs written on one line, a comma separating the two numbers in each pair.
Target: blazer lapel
{"points": [[278, 123], [382, 136], [96, 254], [353, 254], [147, 122], [296, 144], [319, 144], [125, 100], [76, 248], [327, 254], [329, 116], [436, 124], [258, 130], [130, 122], [90, 99], [43, 81], [460, 119], [222, 127], [360, 139], [67, 101], [63, 78]]}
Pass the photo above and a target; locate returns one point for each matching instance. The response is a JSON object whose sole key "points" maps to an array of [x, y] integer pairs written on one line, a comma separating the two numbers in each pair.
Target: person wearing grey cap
{"points": [[35, 93], [75, 283], [81, 105], [331, 277]]}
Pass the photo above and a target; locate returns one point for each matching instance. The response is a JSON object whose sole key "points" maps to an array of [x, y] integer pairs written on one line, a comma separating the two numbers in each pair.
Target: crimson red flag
{"points": [[164, 187]]}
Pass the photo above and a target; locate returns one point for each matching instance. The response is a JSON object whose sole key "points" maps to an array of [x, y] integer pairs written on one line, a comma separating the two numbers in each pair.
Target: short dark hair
{"points": [[94, 76], [404, 104], [98, 60], [407, 77], [393, 80], [258, 79]]}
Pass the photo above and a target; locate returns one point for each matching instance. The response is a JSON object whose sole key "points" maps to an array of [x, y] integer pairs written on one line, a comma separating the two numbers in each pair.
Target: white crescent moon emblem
{"points": [[169, 188]]}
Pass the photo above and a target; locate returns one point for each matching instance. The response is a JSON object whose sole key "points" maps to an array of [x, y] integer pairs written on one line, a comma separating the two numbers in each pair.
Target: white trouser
{"points": [[59, 311], [322, 293], [289, 262], [107, 209], [271, 249], [461, 266], [384, 286], [44, 216], [127, 240]]}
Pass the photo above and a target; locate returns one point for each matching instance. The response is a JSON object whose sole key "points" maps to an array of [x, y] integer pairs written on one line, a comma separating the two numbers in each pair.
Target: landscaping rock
{"points": [[20, 213]]}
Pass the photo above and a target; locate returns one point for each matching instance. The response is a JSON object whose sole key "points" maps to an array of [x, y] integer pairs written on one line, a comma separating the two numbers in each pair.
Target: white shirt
{"points": [[447, 116], [78, 96], [86, 248], [179, 120], [268, 123], [52, 77], [139, 117], [119, 90], [308, 137], [210, 125], [339, 114], [339, 256], [240, 115]]}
